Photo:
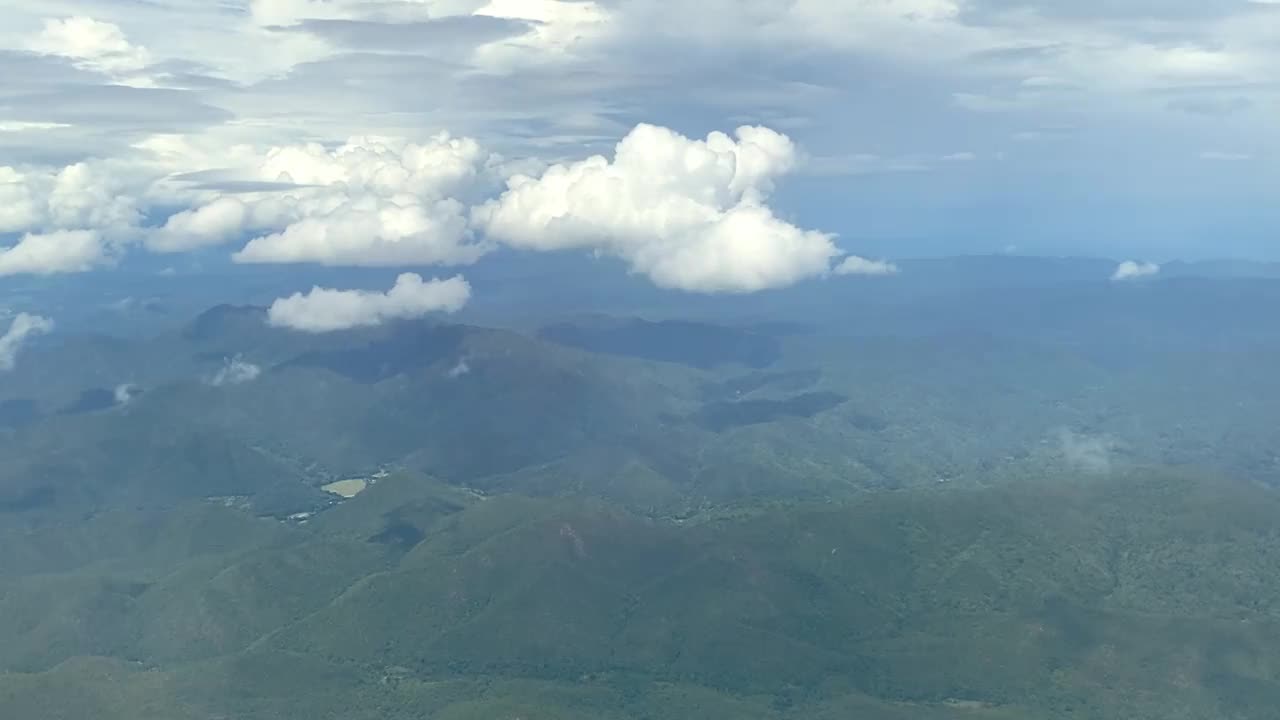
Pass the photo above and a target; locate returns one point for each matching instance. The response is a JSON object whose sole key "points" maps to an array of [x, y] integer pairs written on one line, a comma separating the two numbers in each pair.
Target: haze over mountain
{"points": [[639, 360], [1006, 488]]}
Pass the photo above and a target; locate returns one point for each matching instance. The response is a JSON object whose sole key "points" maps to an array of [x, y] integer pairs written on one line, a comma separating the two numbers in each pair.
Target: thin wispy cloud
{"points": [[235, 371], [23, 328], [854, 265]]}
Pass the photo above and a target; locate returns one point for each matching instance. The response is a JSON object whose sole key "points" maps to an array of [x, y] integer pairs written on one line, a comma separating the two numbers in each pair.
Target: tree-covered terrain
{"points": [[987, 490]]}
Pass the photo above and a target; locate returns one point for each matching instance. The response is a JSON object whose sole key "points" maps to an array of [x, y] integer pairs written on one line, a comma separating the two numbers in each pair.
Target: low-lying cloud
{"points": [[23, 327], [1131, 270], [854, 265], [60, 251], [459, 369], [326, 310], [90, 44], [1091, 454], [125, 393], [235, 371]]}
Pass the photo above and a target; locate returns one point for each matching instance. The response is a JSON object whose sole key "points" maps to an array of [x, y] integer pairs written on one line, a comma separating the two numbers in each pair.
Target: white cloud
{"points": [[372, 232], [558, 28], [1131, 270], [689, 214], [125, 393], [19, 206], [23, 327], [372, 201], [235, 371], [325, 310], [854, 265], [61, 251], [459, 369], [17, 126], [84, 195], [211, 224], [91, 44]]}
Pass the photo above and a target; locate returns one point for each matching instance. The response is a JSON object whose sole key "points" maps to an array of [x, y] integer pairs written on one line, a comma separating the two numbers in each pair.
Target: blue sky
{"points": [[887, 128]]}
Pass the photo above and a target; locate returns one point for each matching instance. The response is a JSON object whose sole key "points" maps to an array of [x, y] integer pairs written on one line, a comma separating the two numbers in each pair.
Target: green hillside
{"points": [[1146, 595], [645, 519]]}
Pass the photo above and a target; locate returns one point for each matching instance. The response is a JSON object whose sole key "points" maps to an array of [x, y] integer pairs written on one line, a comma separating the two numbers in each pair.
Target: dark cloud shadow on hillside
{"points": [[746, 384], [224, 320], [694, 344], [409, 347], [91, 400], [721, 416]]}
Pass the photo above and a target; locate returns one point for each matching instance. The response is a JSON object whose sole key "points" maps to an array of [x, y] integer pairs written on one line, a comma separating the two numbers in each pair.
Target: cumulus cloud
{"points": [[326, 310], [372, 201], [235, 371], [1131, 270], [854, 265], [212, 224], [1084, 452], [61, 251], [372, 232], [23, 327], [91, 44], [689, 214], [19, 206], [84, 195]]}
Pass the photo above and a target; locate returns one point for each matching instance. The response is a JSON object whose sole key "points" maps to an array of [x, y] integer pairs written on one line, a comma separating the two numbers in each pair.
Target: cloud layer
{"points": [[325, 310], [311, 131], [689, 214], [91, 44]]}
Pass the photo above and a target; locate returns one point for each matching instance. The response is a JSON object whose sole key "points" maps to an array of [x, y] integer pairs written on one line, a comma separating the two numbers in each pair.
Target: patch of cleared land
{"points": [[347, 488]]}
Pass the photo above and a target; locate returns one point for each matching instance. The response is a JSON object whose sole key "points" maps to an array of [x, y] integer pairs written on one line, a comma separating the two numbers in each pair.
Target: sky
{"points": [[723, 146]]}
